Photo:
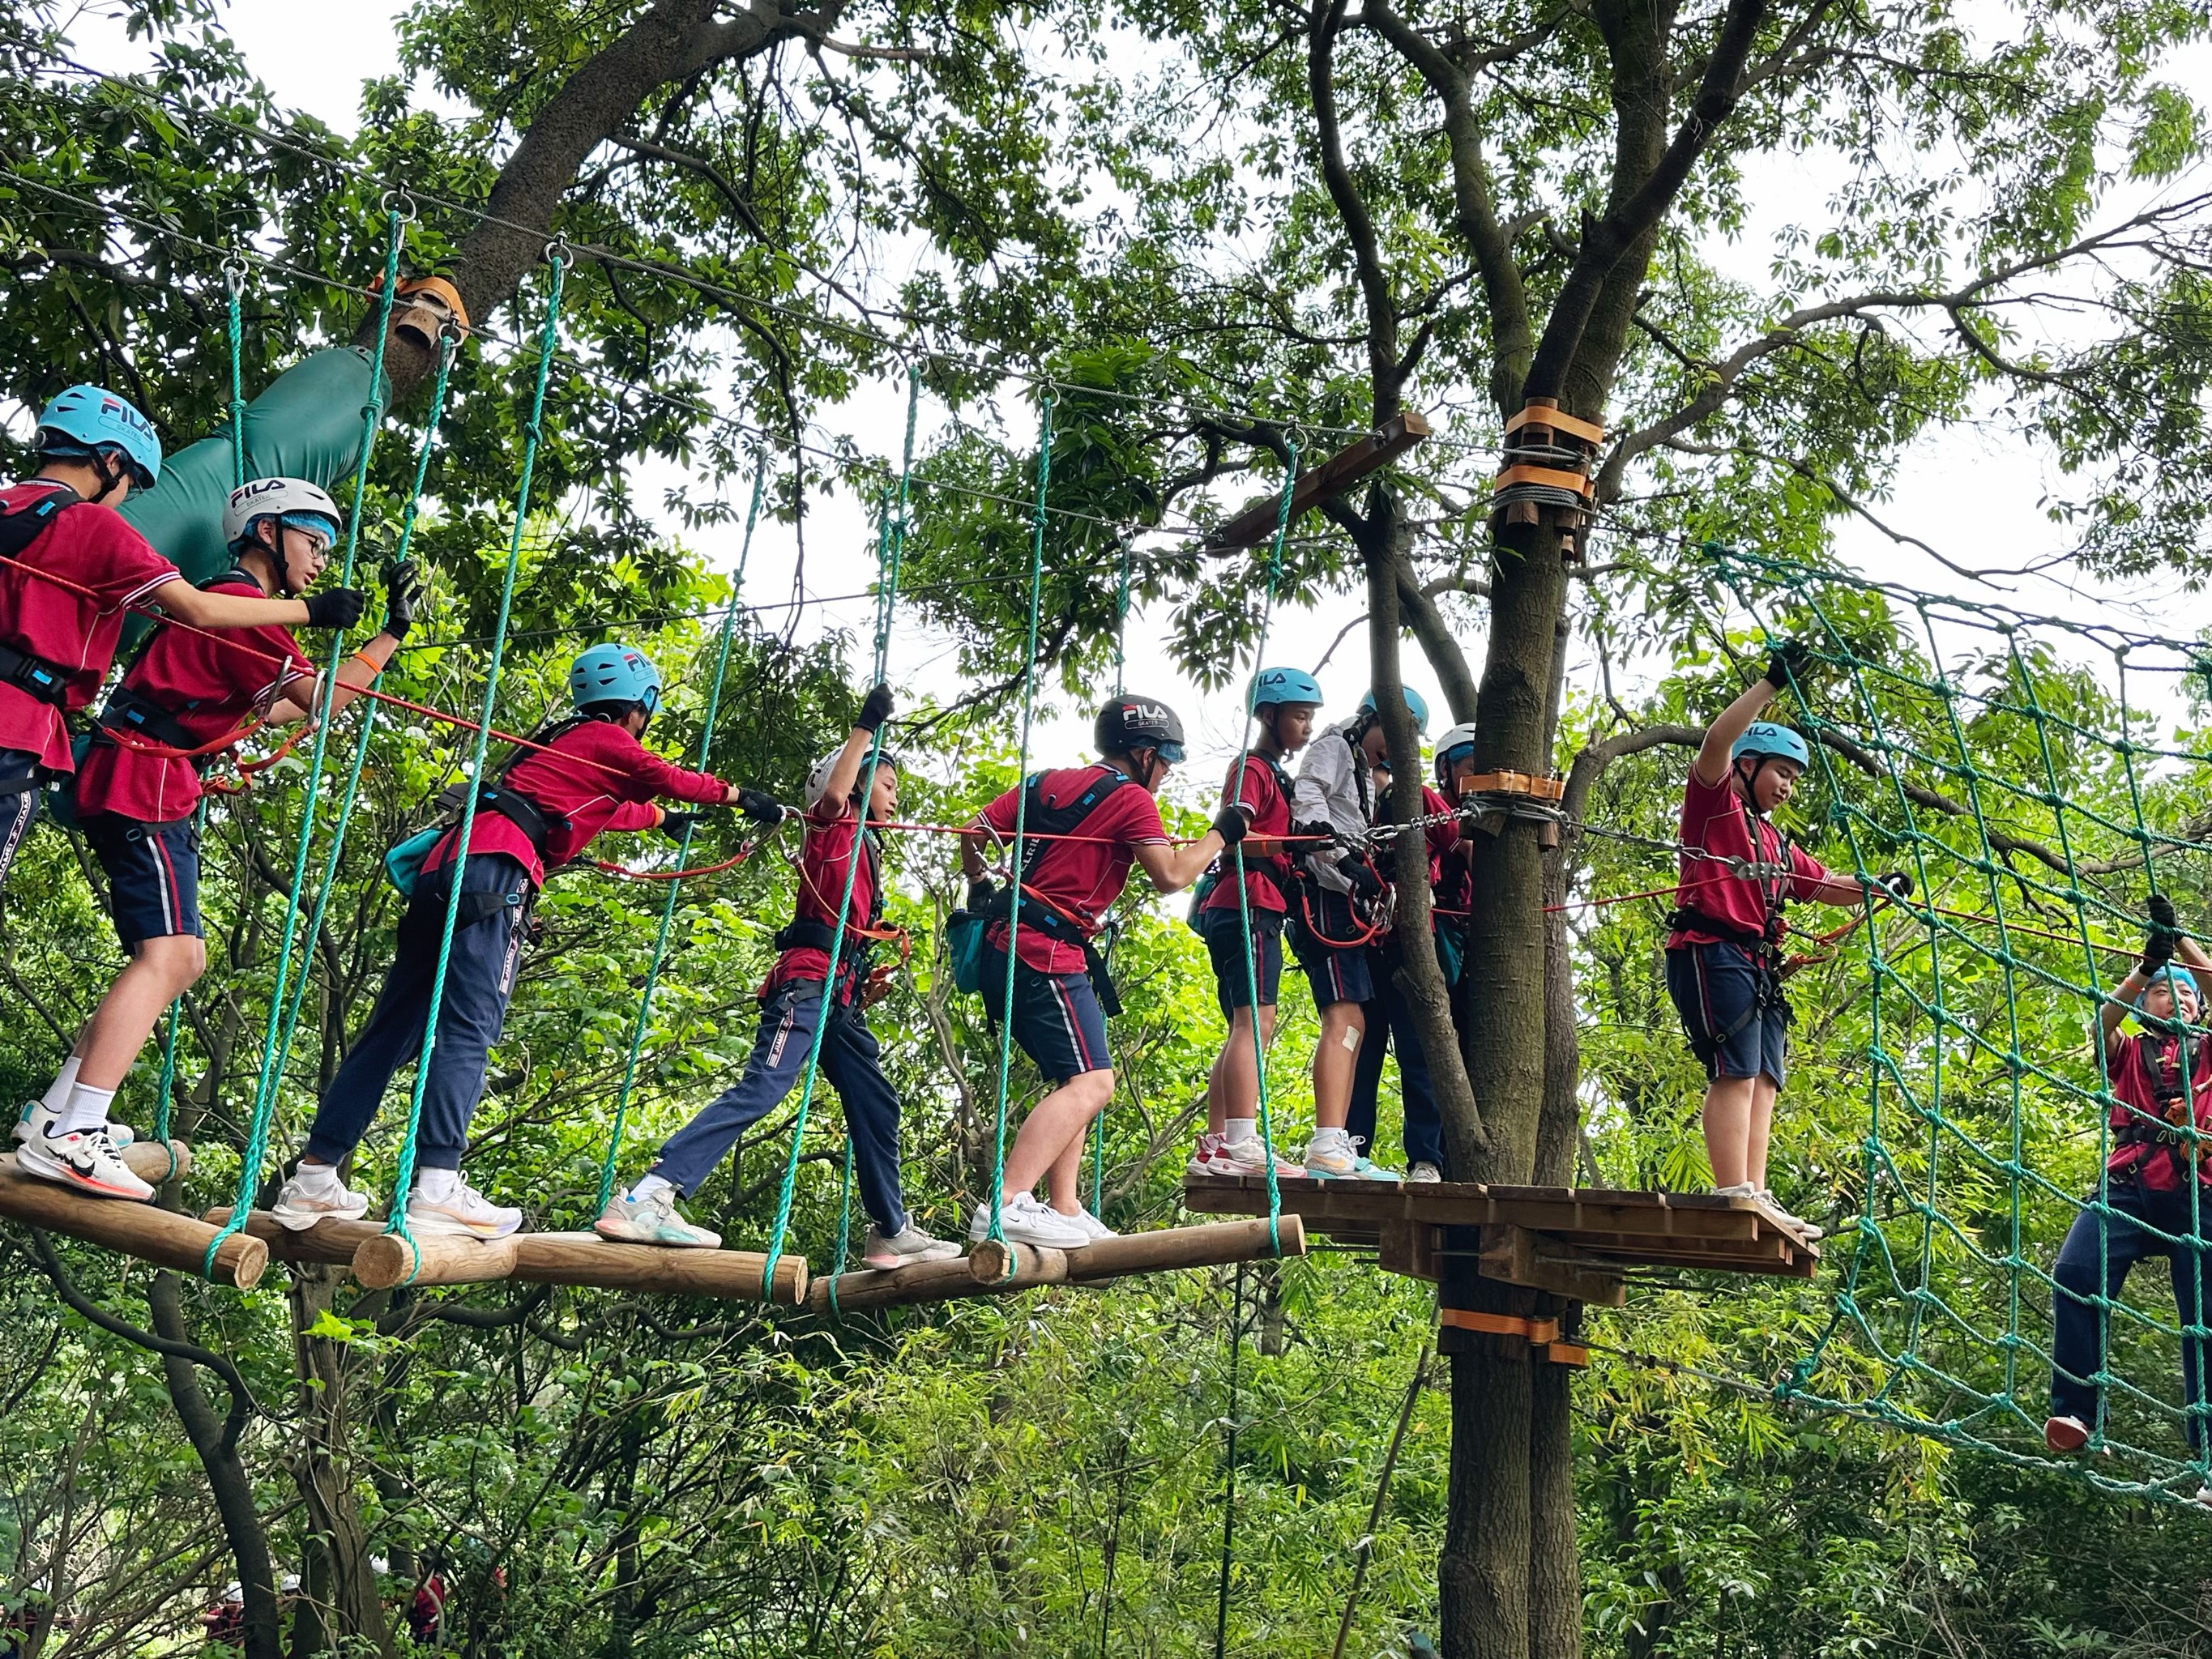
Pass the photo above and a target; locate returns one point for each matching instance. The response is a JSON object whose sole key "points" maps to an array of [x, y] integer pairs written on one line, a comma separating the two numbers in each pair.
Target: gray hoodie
{"points": [[1333, 788]]}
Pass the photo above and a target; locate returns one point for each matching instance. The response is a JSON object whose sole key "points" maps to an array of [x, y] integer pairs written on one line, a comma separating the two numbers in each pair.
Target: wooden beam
{"points": [[1410, 1247], [156, 1160], [330, 1243], [1514, 1255], [1161, 1249], [162, 1237], [1355, 462], [586, 1259]]}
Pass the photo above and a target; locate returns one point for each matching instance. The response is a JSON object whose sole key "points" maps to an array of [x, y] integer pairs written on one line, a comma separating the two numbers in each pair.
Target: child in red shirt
{"points": [[1723, 955], [794, 1001], [1285, 701], [2156, 1196], [1068, 880], [186, 691], [588, 775]]}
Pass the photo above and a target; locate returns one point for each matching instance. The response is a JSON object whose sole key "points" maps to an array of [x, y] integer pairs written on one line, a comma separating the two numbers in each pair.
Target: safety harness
{"points": [[403, 861], [803, 934], [33, 676], [2162, 1058], [1049, 823], [1763, 945]]}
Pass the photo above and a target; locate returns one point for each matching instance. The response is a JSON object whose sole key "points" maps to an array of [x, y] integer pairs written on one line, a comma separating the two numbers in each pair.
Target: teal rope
{"points": [[639, 1025], [1021, 820], [448, 345], [264, 1094], [1244, 892], [549, 339], [1120, 665]]}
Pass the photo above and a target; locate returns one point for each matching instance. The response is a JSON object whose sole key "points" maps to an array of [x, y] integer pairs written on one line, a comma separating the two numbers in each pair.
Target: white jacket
{"points": [[1333, 788]]}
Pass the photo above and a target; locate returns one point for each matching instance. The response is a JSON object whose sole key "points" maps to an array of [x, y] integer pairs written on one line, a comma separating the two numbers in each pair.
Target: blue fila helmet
{"points": [[87, 421], [614, 673], [1764, 739], [1271, 686], [2177, 981], [1416, 705]]}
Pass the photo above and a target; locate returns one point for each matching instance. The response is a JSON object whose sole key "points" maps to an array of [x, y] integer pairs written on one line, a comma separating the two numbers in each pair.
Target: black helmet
{"points": [[1128, 724]]}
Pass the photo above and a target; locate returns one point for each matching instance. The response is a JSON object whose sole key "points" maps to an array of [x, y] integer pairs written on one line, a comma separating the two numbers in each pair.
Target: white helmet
{"points": [[817, 780], [293, 500], [233, 1591], [1450, 746], [291, 1584]]}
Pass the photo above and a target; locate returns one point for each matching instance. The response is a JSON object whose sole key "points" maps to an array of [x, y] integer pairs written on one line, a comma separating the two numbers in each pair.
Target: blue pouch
{"points": [[403, 861], [963, 949]]}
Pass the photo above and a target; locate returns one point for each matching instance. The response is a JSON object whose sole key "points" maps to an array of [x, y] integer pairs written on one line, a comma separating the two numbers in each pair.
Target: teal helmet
{"points": [[614, 673], [1764, 739], [87, 422], [2176, 980], [1416, 705], [1282, 685]]}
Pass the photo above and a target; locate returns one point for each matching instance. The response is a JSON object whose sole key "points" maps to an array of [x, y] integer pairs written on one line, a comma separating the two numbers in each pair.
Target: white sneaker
{"points": [[464, 1211], [2204, 1496], [35, 1120], [1809, 1231], [1364, 1168], [1330, 1156], [1025, 1220], [1424, 1172], [1093, 1228], [908, 1245], [652, 1220], [1742, 1189], [300, 1204], [1245, 1157], [1205, 1156], [85, 1159]]}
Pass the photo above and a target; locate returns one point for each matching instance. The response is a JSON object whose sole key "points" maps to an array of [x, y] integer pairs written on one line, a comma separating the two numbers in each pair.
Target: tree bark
{"points": [[322, 1467], [1484, 1575]]}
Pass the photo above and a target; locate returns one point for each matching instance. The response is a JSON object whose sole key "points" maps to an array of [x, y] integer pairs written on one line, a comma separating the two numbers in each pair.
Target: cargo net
{"points": [[2039, 779]]}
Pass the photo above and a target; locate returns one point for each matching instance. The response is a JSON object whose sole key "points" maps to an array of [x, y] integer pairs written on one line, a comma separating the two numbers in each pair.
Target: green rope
{"points": [[890, 547], [264, 1095], [1121, 662], [548, 340], [1243, 891], [1940, 1325], [642, 1022], [1021, 823]]}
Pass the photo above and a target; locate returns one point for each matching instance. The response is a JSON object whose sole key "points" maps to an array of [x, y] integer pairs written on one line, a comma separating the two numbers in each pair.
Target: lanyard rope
{"points": [[1121, 664], [264, 1091], [641, 1025], [548, 340]]}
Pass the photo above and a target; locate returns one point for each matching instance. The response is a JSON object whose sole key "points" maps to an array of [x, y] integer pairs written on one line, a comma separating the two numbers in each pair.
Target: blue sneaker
{"points": [[653, 1221]]}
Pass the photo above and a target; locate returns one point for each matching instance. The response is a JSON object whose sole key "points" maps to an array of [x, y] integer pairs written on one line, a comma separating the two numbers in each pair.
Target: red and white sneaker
{"points": [[1206, 1157], [2065, 1435], [85, 1159]]}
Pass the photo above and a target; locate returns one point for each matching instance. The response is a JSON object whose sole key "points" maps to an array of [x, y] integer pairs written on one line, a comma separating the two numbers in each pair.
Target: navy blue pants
{"points": [[850, 1060], [2077, 1350], [1390, 1027], [479, 980], [19, 807]]}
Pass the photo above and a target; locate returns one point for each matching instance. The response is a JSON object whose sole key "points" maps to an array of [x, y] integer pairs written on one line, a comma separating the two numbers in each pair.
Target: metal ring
{"points": [[397, 200], [558, 249], [233, 273]]}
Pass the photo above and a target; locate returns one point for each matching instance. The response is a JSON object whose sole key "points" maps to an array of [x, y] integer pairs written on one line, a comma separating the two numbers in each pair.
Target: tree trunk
{"points": [[323, 1469]]}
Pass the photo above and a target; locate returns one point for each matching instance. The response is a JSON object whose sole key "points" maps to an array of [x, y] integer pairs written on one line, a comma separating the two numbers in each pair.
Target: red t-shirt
{"points": [[213, 686], [1260, 790], [2157, 1165], [823, 862], [1716, 820], [599, 777], [90, 547], [1079, 878]]}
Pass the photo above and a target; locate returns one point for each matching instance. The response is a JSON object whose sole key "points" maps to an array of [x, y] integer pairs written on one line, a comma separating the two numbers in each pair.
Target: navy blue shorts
{"points": [[1338, 973], [1057, 1020], [1715, 988], [153, 876], [1233, 971]]}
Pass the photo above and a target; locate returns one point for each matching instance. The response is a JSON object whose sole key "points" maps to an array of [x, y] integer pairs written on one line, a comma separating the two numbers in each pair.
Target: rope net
{"points": [[2039, 780]]}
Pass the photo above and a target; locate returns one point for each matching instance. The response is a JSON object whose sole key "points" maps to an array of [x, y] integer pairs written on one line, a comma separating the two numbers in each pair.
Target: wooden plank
{"points": [[1355, 462], [584, 1258], [162, 1237], [1514, 1255], [1410, 1247]]}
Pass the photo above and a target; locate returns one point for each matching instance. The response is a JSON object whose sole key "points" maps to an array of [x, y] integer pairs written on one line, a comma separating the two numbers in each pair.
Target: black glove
{"points": [[677, 825], [1790, 661], [402, 591], [980, 892], [1896, 883], [335, 607], [1231, 825], [1361, 874], [1313, 832], [2160, 938], [874, 710], [763, 810]]}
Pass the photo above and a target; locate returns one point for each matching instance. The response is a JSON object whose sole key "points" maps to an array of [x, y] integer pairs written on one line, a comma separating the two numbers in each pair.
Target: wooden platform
{"points": [[1575, 1240]]}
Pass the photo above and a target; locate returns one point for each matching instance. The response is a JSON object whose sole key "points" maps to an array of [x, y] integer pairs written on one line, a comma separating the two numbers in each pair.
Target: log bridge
{"points": [[163, 1237]]}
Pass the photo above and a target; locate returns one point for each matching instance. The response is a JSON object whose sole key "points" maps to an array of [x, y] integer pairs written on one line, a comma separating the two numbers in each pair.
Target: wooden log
{"points": [[1333, 477], [160, 1236], [1514, 1255], [584, 1258], [330, 1243], [924, 1281], [157, 1161], [1213, 1244]]}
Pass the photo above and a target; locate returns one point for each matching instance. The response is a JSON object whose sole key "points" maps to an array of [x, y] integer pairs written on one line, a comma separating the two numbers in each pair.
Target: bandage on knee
{"points": [[1351, 1039]]}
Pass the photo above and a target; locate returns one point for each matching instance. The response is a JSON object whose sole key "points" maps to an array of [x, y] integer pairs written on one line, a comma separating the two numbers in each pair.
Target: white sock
{"points": [[436, 1185], [647, 1186], [87, 1110], [317, 1177], [55, 1099], [1242, 1129]]}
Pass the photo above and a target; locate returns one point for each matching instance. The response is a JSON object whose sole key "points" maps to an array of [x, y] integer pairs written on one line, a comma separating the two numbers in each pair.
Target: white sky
{"points": [[1974, 498]]}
